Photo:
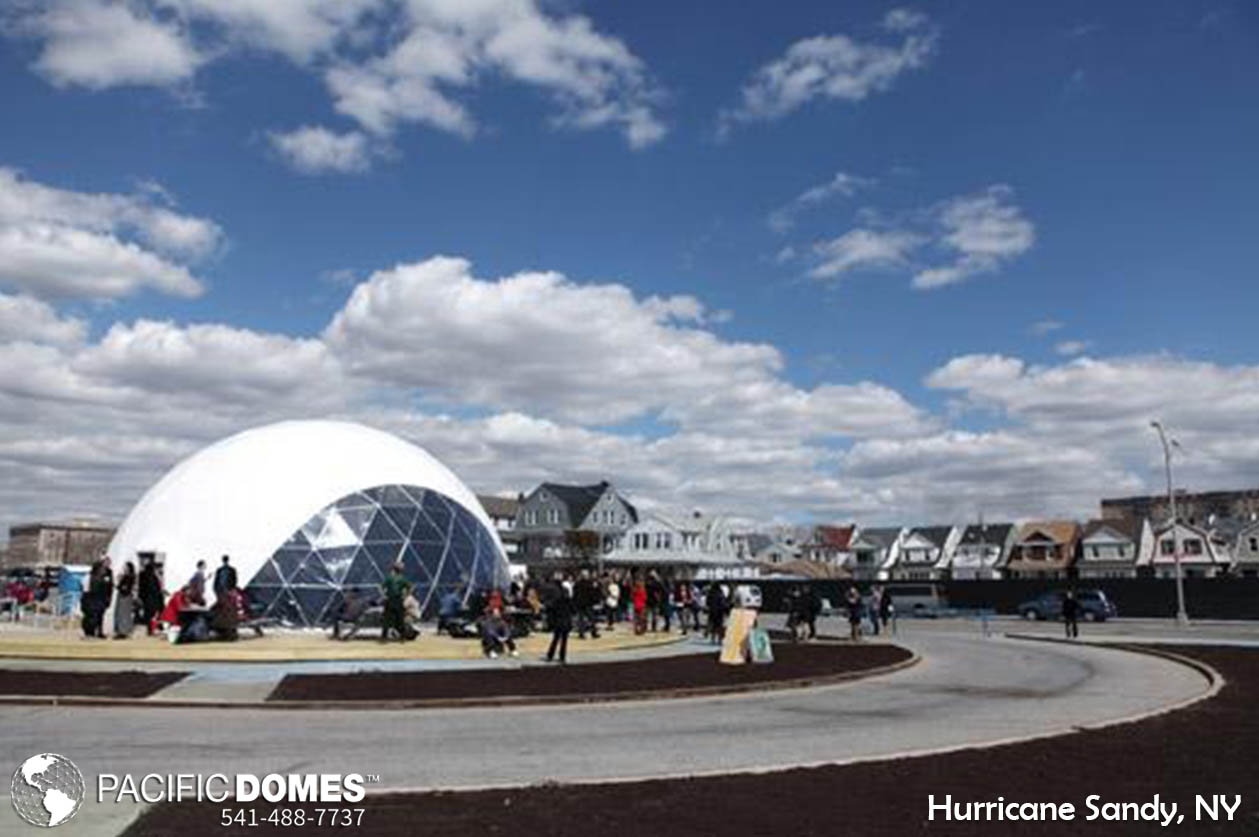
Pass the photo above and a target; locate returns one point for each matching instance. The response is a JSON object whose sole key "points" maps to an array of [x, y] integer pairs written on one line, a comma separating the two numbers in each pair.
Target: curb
{"points": [[502, 701]]}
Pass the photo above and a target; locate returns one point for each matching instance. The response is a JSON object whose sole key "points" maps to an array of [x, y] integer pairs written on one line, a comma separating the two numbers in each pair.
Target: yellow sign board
{"points": [[737, 628]]}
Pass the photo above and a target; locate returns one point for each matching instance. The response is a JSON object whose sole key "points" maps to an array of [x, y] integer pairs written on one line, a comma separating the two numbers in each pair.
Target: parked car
{"points": [[1094, 606], [921, 600]]}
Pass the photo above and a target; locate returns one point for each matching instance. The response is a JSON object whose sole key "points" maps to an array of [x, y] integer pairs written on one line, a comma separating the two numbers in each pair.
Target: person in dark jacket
{"points": [[1071, 614], [855, 606], [125, 603], [395, 589], [100, 589], [887, 610], [559, 615], [151, 599], [812, 609], [716, 602], [585, 599], [224, 578]]}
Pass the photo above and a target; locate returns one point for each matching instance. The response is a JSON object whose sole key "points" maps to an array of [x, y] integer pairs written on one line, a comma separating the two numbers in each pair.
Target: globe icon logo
{"points": [[47, 790]]}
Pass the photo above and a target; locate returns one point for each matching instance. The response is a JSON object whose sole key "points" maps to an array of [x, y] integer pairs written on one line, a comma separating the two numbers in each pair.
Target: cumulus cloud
{"points": [[25, 319], [95, 44], [984, 231], [977, 233], [835, 67], [385, 63], [60, 243], [1067, 348], [313, 149]]}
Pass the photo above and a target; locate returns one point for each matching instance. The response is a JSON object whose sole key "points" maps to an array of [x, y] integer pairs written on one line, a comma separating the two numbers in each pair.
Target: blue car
{"points": [[1094, 606]]}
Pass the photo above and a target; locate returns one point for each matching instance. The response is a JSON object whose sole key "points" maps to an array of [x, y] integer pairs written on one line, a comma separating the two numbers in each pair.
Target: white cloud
{"points": [[1043, 327], [314, 150], [863, 249], [841, 185], [25, 319], [386, 63], [95, 44], [833, 67], [985, 230], [980, 232], [59, 243], [1067, 348]]}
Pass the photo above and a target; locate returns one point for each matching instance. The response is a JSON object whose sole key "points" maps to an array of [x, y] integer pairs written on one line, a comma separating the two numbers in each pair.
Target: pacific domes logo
{"points": [[47, 790]]}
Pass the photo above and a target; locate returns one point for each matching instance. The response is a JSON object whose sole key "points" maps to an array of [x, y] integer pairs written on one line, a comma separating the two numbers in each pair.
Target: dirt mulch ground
{"points": [[108, 684], [1211, 747], [632, 677]]}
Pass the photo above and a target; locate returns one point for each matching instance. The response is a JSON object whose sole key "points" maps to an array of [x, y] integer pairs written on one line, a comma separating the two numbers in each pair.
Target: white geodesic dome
{"points": [[250, 495]]}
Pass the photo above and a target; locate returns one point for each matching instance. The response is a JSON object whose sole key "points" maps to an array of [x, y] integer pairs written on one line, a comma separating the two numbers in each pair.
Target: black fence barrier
{"points": [[1205, 598]]}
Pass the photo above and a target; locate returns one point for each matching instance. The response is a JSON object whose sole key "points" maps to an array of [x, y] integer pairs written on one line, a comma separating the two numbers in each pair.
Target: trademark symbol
{"points": [[372, 778]]}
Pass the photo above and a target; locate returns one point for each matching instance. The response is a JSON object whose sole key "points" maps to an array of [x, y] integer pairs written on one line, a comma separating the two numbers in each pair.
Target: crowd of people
{"points": [[138, 597]]}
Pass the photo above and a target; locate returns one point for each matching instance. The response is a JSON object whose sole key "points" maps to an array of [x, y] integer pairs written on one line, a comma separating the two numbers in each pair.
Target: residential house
{"points": [[1114, 547], [502, 512], [871, 550], [1200, 554], [829, 544], [982, 551], [1246, 550], [770, 550], [572, 522], [684, 544], [53, 544], [1044, 549], [924, 552]]}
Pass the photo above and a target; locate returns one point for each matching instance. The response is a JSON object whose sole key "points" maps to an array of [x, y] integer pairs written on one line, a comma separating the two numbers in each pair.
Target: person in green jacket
{"points": [[395, 588]]}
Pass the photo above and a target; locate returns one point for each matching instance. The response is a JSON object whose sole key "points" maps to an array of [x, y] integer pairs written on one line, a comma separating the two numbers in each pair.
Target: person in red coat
{"points": [[639, 598]]}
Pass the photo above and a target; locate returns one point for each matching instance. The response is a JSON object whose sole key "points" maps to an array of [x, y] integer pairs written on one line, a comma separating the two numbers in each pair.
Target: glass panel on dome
{"points": [[313, 601], [335, 533], [312, 572], [363, 569], [358, 520], [426, 531], [285, 608], [356, 501], [438, 512], [258, 599], [298, 541], [287, 561], [393, 495], [311, 528], [337, 561], [403, 517], [383, 555], [267, 575], [382, 530], [413, 565]]}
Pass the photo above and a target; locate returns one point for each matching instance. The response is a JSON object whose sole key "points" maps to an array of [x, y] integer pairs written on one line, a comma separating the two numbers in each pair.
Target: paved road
{"points": [[967, 690]]}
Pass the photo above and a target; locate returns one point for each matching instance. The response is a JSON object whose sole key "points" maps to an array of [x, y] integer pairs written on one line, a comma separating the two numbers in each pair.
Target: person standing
{"points": [[854, 605], [612, 600], [887, 611], [715, 599], [876, 607], [640, 599], [100, 589], [125, 603], [559, 615], [1071, 614], [224, 578], [395, 588], [151, 598], [585, 599], [196, 586]]}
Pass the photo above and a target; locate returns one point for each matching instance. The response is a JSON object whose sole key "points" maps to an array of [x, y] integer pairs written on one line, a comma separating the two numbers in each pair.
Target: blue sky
{"points": [[1077, 178]]}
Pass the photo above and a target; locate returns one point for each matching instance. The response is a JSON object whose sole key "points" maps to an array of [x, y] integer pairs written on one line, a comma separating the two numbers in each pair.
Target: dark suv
{"points": [[1094, 606]]}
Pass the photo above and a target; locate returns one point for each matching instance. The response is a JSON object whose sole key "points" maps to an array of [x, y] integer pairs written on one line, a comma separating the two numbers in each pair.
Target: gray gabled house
{"points": [[557, 522]]}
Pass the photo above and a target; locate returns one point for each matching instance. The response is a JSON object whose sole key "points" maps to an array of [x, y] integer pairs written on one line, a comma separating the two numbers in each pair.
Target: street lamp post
{"points": [[1182, 617]]}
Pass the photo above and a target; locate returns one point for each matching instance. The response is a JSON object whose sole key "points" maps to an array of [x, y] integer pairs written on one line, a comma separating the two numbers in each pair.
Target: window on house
{"points": [[1122, 551], [1193, 546], [1097, 551], [552, 515], [1167, 546], [531, 517], [1254, 544]]}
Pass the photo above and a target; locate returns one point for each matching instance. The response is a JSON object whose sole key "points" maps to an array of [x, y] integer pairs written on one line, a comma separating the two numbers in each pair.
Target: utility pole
{"points": [[1182, 617]]}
